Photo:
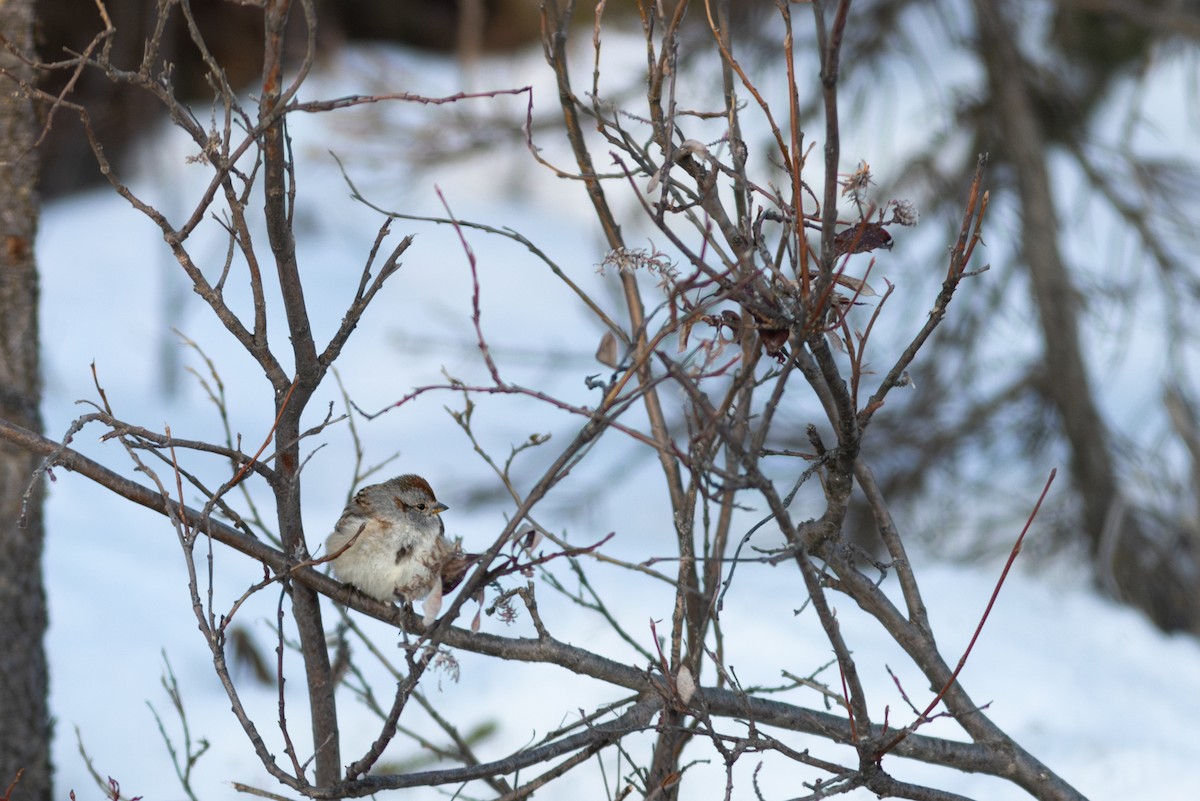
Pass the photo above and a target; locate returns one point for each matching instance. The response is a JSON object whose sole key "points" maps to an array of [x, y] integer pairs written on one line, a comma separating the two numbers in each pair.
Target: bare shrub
{"points": [[754, 299]]}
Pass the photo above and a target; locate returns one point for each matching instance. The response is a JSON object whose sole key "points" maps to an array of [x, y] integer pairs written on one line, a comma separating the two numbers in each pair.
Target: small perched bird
{"points": [[398, 546]]}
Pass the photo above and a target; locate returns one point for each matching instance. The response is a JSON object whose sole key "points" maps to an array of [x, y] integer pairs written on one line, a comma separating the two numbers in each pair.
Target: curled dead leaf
{"points": [[606, 354], [857, 284], [773, 340], [861, 238]]}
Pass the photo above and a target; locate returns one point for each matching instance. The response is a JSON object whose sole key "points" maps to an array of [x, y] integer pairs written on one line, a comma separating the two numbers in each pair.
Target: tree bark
{"points": [[25, 730]]}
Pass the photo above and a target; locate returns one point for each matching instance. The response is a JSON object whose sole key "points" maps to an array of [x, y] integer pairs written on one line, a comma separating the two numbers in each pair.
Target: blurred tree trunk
{"points": [[25, 730], [1064, 380]]}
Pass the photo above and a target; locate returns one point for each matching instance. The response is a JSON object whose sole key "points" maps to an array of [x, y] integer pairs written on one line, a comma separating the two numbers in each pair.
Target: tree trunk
{"points": [[1065, 380], [25, 731]]}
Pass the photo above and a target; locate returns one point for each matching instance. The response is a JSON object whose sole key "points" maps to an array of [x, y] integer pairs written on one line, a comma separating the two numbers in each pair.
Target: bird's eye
{"points": [[421, 506]]}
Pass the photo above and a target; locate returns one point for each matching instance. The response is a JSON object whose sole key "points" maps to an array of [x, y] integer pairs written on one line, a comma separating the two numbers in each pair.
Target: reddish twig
{"points": [[1012, 557], [475, 313], [267, 441], [13, 785]]}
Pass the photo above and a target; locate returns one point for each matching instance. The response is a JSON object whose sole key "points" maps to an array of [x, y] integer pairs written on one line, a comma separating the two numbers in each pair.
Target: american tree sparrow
{"points": [[398, 546]]}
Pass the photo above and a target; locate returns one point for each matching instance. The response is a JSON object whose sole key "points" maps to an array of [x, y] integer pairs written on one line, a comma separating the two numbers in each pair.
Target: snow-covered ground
{"points": [[1089, 687]]}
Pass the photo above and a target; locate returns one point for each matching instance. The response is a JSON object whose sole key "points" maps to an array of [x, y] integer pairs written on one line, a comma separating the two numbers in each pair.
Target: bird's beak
{"points": [[438, 508]]}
